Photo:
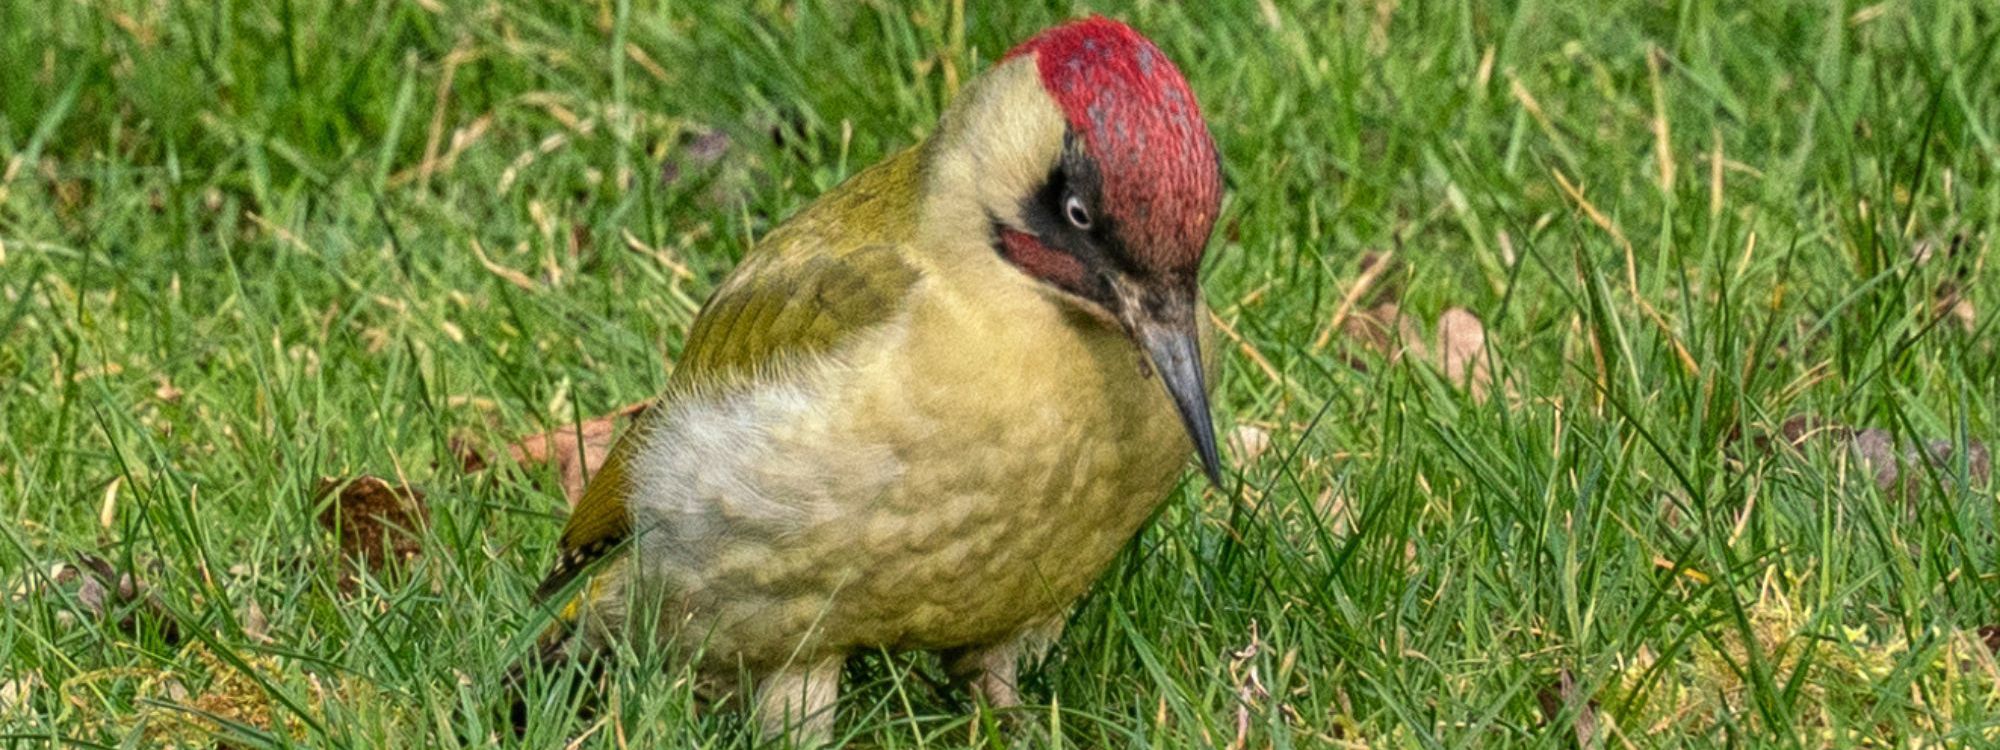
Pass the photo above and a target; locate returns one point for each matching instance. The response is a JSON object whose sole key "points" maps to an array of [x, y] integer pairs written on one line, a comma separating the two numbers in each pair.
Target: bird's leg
{"points": [[990, 672], [799, 700]]}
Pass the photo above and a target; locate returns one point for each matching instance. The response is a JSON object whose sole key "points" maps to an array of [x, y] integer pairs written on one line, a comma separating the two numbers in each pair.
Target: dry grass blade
{"points": [[1263, 363], [17, 694], [1373, 267], [510, 275]]}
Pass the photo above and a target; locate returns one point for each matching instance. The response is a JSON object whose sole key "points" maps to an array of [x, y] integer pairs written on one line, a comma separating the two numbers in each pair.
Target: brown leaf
{"points": [[1948, 299], [92, 596], [470, 459], [576, 451], [1370, 290], [1897, 466], [122, 596], [375, 523], [1563, 693], [1876, 450], [1387, 273], [256, 626], [1950, 302], [1899, 469]]}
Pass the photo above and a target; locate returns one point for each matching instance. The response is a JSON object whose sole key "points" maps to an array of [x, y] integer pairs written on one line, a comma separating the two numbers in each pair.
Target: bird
{"points": [[927, 411]]}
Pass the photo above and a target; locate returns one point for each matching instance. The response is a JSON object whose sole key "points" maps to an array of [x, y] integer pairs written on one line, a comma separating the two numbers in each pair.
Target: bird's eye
{"points": [[1078, 215]]}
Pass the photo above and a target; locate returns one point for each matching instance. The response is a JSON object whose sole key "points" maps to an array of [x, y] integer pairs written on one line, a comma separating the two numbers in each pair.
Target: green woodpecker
{"points": [[929, 409]]}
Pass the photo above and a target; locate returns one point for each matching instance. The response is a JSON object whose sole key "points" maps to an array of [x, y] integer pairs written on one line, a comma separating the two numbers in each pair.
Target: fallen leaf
{"points": [[1799, 428], [700, 152], [1563, 693], [1383, 329], [1388, 270], [166, 391], [1948, 298], [470, 459], [121, 597], [1458, 350], [17, 691], [93, 596], [175, 690], [576, 451], [1461, 347], [1896, 466], [1248, 442], [375, 523], [1950, 302], [1899, 468], [256, 626], [1369, 289]]}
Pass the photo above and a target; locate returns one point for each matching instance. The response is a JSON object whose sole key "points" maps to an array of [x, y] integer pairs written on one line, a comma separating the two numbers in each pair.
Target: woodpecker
{"points": [[927, 411]]}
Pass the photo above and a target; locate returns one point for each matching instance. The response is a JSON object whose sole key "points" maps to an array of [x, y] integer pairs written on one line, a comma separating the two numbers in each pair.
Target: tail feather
{"points": [[552, 657], [574, 580]]}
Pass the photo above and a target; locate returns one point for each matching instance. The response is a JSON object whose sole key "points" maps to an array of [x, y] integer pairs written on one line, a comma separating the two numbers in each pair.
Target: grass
{"points": [[247, 245]]}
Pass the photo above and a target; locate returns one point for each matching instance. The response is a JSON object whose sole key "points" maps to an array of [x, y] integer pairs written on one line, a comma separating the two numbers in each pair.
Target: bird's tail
{"points": [[550, 655], [556, 656]]}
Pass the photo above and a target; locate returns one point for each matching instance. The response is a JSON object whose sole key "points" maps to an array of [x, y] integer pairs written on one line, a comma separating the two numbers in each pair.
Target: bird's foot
{"points": [[798, 701]]}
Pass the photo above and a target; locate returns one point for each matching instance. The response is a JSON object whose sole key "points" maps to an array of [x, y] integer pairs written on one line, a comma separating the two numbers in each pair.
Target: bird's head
{"points": [[1085, 155]]}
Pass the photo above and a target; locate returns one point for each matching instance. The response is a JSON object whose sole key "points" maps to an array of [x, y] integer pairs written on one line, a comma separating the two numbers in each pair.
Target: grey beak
{"points": [[1171, 340], [1176, 356]]}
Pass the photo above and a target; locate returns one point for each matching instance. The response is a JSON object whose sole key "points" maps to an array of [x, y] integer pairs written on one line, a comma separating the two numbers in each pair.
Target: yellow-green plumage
{"points": [[881, 435]]}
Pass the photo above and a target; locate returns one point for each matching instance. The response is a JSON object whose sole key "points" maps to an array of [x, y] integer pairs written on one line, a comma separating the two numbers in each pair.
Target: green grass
{"points": [[239, 255]]}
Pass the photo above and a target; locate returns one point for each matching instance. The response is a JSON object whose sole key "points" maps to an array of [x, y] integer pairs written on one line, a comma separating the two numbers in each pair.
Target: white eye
{"points": [[1078, 215]]}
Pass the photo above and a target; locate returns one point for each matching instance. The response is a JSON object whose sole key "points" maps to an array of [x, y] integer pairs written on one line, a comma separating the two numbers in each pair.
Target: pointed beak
{"points": [[1167, 333]]}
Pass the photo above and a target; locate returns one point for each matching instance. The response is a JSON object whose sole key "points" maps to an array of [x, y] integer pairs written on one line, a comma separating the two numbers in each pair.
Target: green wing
{"points": [[836, 270], [784, 309]]}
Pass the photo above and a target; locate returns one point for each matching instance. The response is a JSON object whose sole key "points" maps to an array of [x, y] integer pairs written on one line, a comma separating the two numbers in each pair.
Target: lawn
{"points": [[1582, 364]]}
